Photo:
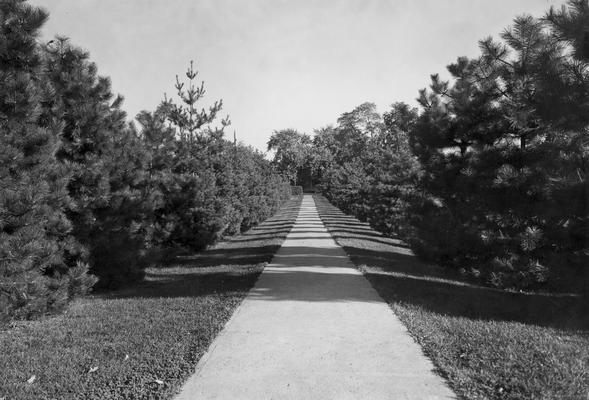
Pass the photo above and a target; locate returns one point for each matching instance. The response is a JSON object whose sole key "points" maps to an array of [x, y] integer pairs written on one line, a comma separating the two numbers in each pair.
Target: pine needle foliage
{"points": [[35, 234]]}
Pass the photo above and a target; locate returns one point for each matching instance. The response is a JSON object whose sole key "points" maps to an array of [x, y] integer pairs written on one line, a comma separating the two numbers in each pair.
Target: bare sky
{"points": [[275, 63]]}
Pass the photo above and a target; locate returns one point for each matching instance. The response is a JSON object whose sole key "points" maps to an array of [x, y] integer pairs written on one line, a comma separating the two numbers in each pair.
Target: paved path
{"points": [[313, 328]]}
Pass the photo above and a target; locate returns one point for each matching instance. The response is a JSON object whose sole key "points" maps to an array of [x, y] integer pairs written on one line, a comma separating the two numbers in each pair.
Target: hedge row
{"points": [[86, 197], [489, 174]]}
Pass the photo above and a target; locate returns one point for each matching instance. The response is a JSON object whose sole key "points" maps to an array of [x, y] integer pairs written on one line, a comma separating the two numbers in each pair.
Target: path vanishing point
{"points": [[312, 327]]}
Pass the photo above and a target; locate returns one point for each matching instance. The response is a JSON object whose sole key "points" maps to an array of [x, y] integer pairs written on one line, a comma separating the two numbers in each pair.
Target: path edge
{"points": [[204, 359], [437, 370]]}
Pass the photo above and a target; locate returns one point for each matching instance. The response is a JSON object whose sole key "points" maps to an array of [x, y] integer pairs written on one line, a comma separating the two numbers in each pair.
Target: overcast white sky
{"points": [[280, 64]]}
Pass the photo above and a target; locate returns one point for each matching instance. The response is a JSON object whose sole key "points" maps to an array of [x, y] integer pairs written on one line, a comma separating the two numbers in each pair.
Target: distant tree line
{"points": [[489, 174], [88, 199]]}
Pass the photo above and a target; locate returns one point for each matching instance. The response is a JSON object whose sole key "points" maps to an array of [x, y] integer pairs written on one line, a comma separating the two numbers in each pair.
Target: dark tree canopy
{"points": [[489, 175]]}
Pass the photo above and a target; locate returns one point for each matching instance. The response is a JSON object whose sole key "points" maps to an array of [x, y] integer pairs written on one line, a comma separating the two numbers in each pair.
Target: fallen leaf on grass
{"points": [[31, 379]]}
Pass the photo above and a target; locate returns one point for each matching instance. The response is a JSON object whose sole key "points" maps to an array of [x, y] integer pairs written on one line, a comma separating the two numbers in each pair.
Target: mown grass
{"points": [[142, 342], [488, 343]]}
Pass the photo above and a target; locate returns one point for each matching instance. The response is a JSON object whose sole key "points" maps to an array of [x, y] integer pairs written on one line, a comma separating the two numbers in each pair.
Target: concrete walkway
{"points": [[313, 328]]}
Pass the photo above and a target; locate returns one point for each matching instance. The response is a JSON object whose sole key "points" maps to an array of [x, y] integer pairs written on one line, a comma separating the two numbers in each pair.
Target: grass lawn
{"points": [[488, 343], [142, 342]]}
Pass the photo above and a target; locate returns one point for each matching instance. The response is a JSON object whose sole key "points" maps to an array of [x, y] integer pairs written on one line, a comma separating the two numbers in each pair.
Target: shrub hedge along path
{"points": [[146, 341], [312, 327]]}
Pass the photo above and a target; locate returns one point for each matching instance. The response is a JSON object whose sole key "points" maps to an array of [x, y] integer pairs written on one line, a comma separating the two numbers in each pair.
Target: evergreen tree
{"points": [[458, 122], [34, 230], [193, 204], [510, 203], [569, 95], [161, 146], [107, 165]]}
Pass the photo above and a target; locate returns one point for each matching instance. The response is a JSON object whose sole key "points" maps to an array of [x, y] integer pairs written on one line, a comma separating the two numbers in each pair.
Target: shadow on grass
{"points": [[452, 298], [234, 256], [183, 282], [399, 276]]}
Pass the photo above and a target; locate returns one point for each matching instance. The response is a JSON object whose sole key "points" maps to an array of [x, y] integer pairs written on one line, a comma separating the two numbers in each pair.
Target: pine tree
{"points": [[184, 147], [504, 153], [34, 230], [107, 164], [570, 24], [569, 96], [459, 123], [160, 143]]}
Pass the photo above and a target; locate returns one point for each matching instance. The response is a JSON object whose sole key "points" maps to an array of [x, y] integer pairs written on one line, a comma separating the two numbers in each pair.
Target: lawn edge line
{"points": [[202, 362]]}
